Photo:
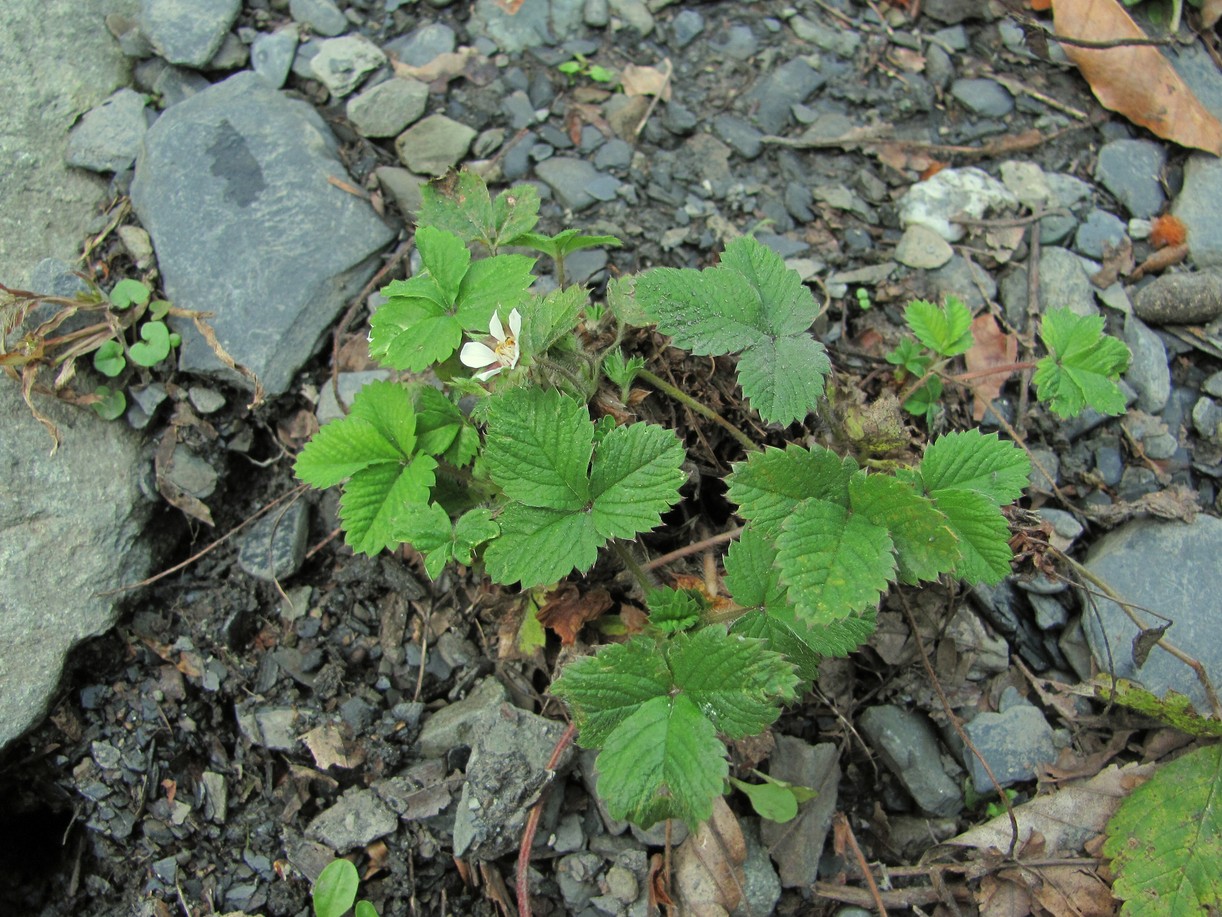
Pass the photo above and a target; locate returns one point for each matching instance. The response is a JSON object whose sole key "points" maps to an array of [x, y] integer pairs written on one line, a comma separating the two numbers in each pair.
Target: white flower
{"points": [[503, 356]]}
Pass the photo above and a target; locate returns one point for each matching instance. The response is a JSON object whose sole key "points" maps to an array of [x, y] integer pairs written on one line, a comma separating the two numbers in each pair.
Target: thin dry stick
{"points": [[845, 830], [532, 826], [296, 491], [657, 97], [954, 721], [694, 548]]}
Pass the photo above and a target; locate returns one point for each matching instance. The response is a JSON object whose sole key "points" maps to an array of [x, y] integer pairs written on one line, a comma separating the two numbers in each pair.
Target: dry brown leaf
{"points": [[1003, 895], [708, 866], [1135, 80], [992, 348], [445, 66], [1074, 892], [1211, 12], [567, 610], [1160, 260], [329, 748], [647, 81]]}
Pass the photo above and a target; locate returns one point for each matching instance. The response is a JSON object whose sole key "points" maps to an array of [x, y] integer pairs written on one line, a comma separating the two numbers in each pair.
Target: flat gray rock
{"points": [[434, 145], [357, 818], [968, 191], [1148, 373], [108, 138], [83, 506], [460, 722], [233, 188], [571, 180], [533, 23], [1015, 741], [388, 107], [322, 16], [187, 32], [774, 95], [906, 743], [1132, 170], [1172, 568], [797, 845], [272, 54], [1199, 205], [341, 63], [274, 547]]}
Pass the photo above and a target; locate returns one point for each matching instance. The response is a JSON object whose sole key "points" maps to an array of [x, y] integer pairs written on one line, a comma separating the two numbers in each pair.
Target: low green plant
{"points": [[533, 485], [1081, 369], [335, 890], [581, 66]]}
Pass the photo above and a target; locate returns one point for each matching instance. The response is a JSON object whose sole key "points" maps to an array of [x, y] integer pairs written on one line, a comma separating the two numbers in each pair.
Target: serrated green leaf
{"points": [[621, 300], [335, 889], [438, 419], [909, 358], [972, 460], [109, 360], [783, 377], [945, 329], [925, 401], [664, 761], [734, 680], [770, 484], [707, 312], [378, 499], [428, 529], [539, 546], [834, 562], [538, 446], [500, 283], [445, 257], [380, 428], [412, 334], [674, 610], [982, 532], [925, 546], [780, 638], [464, 448], [469, 212], [387, 406], [472, 529], [635, 478], [785, 303], [545, 319], [1165, 840], [1174, 709], [1082, 366], [621, 371], [752, 576], [605, 689]]}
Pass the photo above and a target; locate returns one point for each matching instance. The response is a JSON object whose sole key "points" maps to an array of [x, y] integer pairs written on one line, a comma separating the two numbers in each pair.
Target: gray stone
{"points": [[1065, 282], [686, 28], [303, 58], [1171, 568], [1028, 183], [232, 54], [1172, 299], [906, 743], [774, 95], [434, 145], [387, 108], [186, 470], [274, 728], [533, 23], [920, 247], [84, 504], [596, 13], [518, 110], [49, 207], [826, 36], [357, 818], [614, 154], [983, 97], [271, 55], [939, 68], [739, 133], [1207, 418], [230, 179], [341, 63], [634, 14], [952, 192], [205, 400], [322, 16], [274, 547], [1050, 614], [1199, 206], [1148, 373], [1213, 385], [963, 280], [1099, 232], [187, 32], [953, 38], [761, 884], [56, 278], [462, 721], [797, 845], [169, 84], [737, 42], [575, 182], [349, 384], [1015, 742], [403, 186], [1131, 171], [422, 45], [953, 12], [108, 138], [506, 774]]}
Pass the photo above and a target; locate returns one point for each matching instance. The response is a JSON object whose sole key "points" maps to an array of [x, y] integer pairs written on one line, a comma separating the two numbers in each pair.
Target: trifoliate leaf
{"points": [[982, 532], [972, 460], [438, 419], [467, 210], [1082, 366], [538, 446], [770, 484], [605, 689], [926, 400], [545, 319], [783, 377], [1165, 840], [674, 610], [499, 283], [734, 680], [428, 529], [635, 478], [565, 242], [664, 761], [445, 257], [380, 428], [621, 370], [378, 499], [946, 329], [540, 546], [834, 562], [925, 547], [909, 358], [752, 576], [750, 301]]}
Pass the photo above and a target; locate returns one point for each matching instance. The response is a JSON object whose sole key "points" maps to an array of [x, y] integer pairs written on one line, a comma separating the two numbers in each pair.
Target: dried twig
{"points": [[532, 826]]}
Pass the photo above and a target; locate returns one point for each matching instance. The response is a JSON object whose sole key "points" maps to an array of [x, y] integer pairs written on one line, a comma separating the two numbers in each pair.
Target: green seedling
{"points": [[580, 66], [335, 891], [530, 485]]}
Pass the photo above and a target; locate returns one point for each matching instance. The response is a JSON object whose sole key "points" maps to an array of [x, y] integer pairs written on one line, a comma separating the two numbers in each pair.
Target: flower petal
{"points": [[475, 355], [488, 373], [495, 328], [515, 323]]}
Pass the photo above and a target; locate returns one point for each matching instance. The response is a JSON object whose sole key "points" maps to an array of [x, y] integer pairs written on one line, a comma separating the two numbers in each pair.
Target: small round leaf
{"points": [[109, 360], [155, 345], [158, 309], [335, 889], [112, 405], [128, 292]]}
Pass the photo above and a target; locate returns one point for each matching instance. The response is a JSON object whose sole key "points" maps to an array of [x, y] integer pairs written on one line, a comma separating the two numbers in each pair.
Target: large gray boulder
{"points": [[235, 187], [70, 529]]}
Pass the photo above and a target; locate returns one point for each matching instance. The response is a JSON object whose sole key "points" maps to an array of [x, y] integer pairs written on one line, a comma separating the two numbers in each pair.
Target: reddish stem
{"points": [[532, 826]]}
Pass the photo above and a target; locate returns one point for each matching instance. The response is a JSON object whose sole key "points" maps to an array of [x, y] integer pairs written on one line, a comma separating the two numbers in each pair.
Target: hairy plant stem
{"points": [[702, 409], [624, 556]]}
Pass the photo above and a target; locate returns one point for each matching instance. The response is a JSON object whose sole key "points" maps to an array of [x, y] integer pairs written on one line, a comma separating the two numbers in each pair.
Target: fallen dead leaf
{"points": [[647, 81], [992, 348], [1135, 80], [567, 610], [445, 66], [329, 747], [1160, 260], [708, 866]]}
